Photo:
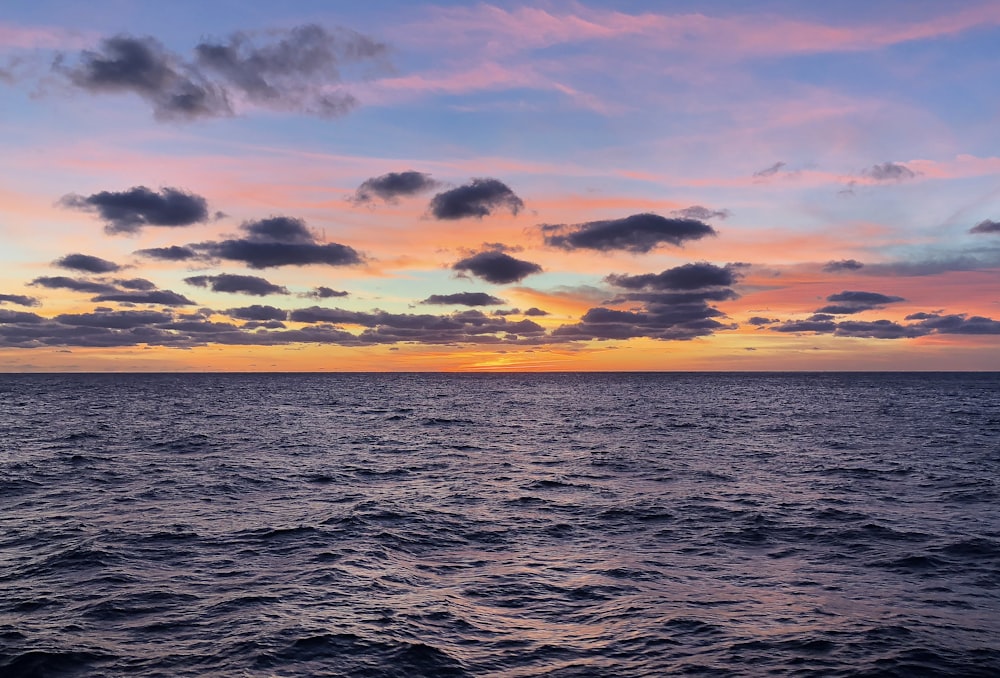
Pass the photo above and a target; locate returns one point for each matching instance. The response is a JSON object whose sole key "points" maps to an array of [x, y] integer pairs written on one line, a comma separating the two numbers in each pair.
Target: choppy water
{"points": [[499, 525]]}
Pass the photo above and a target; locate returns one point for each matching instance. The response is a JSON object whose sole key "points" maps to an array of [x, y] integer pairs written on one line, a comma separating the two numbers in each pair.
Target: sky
{"points": [[382, 186]]}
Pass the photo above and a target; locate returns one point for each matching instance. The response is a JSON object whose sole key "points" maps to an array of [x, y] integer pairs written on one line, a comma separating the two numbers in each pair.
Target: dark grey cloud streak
{"points": [[394, 185], [889, 171], [479, 198], [276, 241], [464, 299], [496, 267], [843, 265], [294, 70], [929, 323], [132, 210], [848, 302], [637, 233], [171, 253], [986, 226], [670, 305], [86, 263], [237, 284], [19, 299]]}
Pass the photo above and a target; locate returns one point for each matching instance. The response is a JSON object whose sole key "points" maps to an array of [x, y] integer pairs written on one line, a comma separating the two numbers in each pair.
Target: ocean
{"points": [[500, 525]]}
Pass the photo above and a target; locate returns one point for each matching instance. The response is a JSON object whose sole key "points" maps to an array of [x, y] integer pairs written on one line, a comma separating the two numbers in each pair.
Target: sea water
{"points": [[500, 525]]}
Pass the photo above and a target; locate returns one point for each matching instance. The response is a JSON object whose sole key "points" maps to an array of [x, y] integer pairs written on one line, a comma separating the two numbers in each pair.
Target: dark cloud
{"points": [[266, 324], [297, 69], [87, 263], [289, 70], [687, 277], [322, 292], [129, 211], [19, 299], [394, 185], [172, 253], [637, 233], [164, 297], [11, 317], [136, 284], [876, 329], [929, 323], [121, 320], [279, 229], [843, 265], [889, 171], [986, 226], [75, 284], [673, 305], [769, 171], [760, 320], [848, 302], [535, 312], [142, 66], [957, 324], [237, 284], [496, 267], [257, 312], [478, 198], [702, 213], [819, 326], [278, 241], [464, 298]]}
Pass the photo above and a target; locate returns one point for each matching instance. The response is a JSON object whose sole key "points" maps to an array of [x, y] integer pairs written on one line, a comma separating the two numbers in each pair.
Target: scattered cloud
{"points": [[132, 210], [637, 233], [889, 171], [843, 265], [929, 323], [257, 312], [237, 284], [759, 321], [278, 241], [394, 185], [769, 171], [136, 284], [86, 263], [171, 253], [479, 198], [74, 284], [849, 302], [323, 292], [289, 70], [702, 213], [20, 299], [164, 297], [672, 305], [464, 299], [986, 226], [496, 267]]}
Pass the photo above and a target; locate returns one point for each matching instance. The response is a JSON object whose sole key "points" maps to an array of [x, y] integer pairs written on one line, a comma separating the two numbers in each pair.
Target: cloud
{"points": [[87, 263], [257, 312], [390, 187], [687, 277], [497, 267], [760, 320], [136, 284], [889, 171], [535, 312], [172, 253], [295, 70], [702, 213], [673, 305], [986, 226], [479, 198], [322, 292], [75, 284], [8, 317], [769, 171], [20, 299], [930, 323], [278, 241], [132, 210], [465, 299], [164, 297], [638, 233], [142, 66], [848, 302], [121, 320], [237, 284], [957, 324], [843, 265]]}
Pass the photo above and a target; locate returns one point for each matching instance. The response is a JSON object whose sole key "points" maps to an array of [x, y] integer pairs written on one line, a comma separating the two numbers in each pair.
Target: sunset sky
{"points": [[247, 186]]}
